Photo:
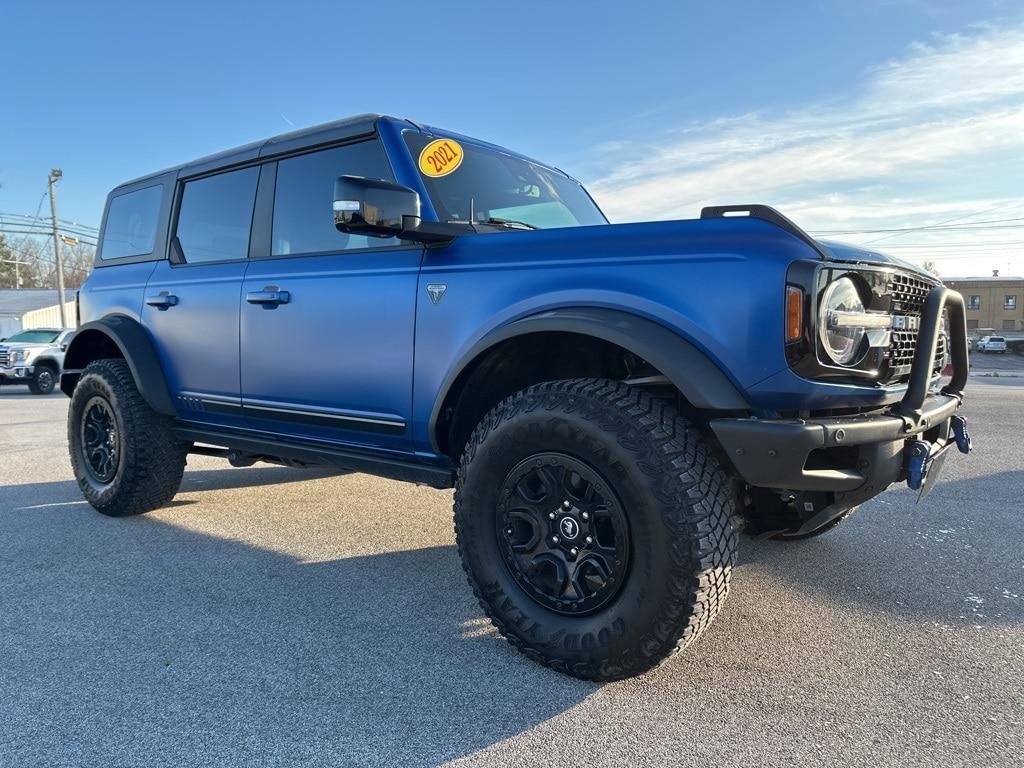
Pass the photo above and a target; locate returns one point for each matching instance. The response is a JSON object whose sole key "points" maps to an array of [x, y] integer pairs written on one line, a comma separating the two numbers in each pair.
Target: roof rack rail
{"points": [[766, 213]]}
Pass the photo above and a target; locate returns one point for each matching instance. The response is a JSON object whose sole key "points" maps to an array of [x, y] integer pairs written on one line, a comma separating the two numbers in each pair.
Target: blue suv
{"points": [[611, 403]]}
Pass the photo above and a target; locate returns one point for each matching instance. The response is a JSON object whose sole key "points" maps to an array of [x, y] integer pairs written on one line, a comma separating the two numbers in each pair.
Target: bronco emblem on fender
{"points": [[436, 291]]}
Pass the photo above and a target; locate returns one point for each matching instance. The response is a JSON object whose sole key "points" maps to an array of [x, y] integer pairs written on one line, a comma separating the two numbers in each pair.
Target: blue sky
{"points": [[848, 116]]}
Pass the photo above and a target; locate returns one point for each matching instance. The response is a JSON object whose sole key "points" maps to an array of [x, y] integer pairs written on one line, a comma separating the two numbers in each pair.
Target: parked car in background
{"points": [[992, 344], [34, 357]]}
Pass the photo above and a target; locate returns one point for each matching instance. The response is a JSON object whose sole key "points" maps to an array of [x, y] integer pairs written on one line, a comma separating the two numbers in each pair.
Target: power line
{"points": [[942, 223], [5, 231], [33, 230], [38, 221], [982, 243], [980, 225]]}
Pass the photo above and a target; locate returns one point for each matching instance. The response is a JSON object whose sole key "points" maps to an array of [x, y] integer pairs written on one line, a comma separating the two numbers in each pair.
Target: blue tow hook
{"points": [[963, 439], [917, 466]]}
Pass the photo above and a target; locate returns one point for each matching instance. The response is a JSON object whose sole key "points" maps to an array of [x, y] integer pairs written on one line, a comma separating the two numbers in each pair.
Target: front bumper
{"points": [[18, 374], [864, 454]]}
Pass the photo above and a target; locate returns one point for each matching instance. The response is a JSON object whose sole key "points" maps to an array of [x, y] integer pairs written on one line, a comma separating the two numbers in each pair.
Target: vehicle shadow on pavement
{"points": [[250, 477], [953, 560], [139, 641]]}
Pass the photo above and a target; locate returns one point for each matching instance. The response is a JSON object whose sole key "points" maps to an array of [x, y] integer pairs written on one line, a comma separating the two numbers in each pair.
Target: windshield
{"points": [[35, 337], [491, 187]]}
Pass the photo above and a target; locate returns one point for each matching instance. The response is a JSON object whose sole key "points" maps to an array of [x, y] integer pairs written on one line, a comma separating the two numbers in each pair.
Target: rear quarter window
{"points": [[131, 225]]}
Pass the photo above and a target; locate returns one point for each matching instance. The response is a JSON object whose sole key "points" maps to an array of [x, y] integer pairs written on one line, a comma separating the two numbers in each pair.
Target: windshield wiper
{"points": [[508, 223]]}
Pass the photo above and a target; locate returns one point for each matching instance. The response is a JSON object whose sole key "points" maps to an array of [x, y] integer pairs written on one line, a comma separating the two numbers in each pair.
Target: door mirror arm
{"points": [[416, 229]]}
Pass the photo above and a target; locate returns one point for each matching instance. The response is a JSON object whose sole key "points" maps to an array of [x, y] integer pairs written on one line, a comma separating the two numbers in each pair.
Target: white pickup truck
{"points": [[34, 357]]}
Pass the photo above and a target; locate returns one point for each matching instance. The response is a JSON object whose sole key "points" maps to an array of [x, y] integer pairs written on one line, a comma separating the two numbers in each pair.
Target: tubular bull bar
{"points": [[773, 453]]}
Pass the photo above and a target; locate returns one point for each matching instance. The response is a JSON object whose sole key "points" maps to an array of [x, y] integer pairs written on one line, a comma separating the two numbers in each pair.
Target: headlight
{"points": [[19, 356], [841, 340]]}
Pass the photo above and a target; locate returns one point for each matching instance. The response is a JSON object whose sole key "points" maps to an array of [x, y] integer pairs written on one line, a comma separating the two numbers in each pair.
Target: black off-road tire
{"points": [[677, 499], [43, 381], [149, 461]]}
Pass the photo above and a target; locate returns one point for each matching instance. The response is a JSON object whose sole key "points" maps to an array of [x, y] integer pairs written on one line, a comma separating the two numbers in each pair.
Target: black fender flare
{"points": [[135, 346], [689, 369]]}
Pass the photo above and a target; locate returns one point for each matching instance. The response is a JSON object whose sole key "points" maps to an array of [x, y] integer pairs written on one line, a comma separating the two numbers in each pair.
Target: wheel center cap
{"points": [[569, 527]]}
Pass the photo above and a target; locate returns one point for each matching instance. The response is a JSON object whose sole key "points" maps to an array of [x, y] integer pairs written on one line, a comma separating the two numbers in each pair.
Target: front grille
{"points": [[907, 294], [5, 357]]}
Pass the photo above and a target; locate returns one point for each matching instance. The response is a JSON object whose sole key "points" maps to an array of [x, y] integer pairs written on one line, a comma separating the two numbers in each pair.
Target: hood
{"points": [[25, 346], [855, 254]]}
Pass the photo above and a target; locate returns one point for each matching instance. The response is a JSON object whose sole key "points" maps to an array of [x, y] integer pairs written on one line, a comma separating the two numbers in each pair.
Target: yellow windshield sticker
{"points": [[440, 157]]}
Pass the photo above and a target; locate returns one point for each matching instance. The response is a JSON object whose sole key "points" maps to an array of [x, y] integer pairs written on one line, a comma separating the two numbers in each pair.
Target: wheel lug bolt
{"points": [[551, 515], [566, 504], [590, 539], [555, 539], [508, 531], [573, 551], [585, 515]]}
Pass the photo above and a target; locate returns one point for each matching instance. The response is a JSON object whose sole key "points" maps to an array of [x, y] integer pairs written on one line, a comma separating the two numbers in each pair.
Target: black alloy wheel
{"points": [[563, 533], [100, 440]]}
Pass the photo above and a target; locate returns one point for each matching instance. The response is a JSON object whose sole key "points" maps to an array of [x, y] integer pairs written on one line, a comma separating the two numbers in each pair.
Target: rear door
{"points": [[192, 300], [327, 319]]}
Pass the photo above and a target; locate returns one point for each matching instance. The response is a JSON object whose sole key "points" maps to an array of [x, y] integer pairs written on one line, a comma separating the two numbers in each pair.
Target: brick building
{"points": [[993, 303]]}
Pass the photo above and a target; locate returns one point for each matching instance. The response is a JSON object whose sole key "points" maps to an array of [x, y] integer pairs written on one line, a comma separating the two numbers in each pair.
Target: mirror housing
{"points": [[384, 209]]}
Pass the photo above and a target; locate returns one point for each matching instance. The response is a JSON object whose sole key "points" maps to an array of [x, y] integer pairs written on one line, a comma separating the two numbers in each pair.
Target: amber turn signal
{"points": [[794, 313]]}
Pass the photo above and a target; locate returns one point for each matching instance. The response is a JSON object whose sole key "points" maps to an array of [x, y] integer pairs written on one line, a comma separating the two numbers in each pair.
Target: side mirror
{"points": [[385, 209], [373, 207]]}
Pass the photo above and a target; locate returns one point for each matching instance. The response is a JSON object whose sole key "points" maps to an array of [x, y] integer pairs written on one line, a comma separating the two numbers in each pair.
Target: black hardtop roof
{"points": [[304, 138]]}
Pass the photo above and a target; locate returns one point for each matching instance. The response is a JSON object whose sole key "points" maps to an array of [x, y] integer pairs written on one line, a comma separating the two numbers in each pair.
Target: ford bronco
{"points": [[611, 403], [34, 357]]}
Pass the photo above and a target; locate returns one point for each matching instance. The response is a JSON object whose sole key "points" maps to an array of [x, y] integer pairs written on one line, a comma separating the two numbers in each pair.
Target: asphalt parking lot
{"points": [[273, 616]]}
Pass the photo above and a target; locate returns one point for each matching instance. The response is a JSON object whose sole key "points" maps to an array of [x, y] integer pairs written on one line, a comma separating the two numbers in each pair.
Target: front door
{"points": [[327, 319], [192, 302]]}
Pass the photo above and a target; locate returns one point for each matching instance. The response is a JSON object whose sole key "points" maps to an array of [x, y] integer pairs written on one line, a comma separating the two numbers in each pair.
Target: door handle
{"points": [[269, 297], [162, 300]]}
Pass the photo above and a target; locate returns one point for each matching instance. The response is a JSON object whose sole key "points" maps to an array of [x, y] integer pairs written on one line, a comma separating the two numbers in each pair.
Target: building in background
{"points": [[20, 310], [993, 303]]}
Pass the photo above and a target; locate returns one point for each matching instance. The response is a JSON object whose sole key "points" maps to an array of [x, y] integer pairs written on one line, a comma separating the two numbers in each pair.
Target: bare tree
{"points": [[38, 269], [78, 261], [8, 269]]}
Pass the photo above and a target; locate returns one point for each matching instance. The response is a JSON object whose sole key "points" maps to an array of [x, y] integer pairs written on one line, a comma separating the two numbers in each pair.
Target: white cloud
{"points": [[934, 135]]}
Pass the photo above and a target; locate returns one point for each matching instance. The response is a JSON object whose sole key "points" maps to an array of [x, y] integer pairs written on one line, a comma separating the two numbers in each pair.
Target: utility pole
{"points": [[17, 269], [55, 174]]}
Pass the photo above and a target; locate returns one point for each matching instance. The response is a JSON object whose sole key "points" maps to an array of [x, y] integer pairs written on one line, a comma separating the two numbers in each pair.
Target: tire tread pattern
{"points": [[153, 460], [697, 500]]}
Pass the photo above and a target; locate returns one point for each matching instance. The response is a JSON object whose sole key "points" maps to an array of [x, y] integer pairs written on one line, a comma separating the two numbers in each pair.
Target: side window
{"points": [[215, 216], [131, 224], [303, 221]]}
